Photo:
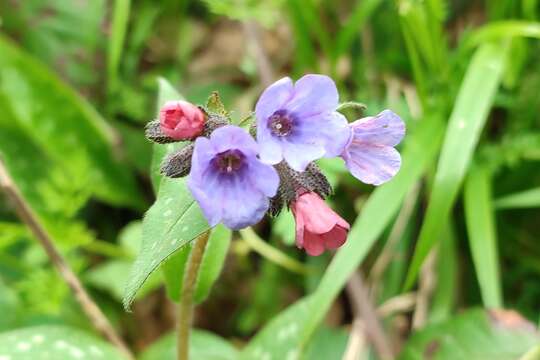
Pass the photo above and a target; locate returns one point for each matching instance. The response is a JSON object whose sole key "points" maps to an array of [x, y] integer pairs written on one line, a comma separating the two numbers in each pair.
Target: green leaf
{"points": [[116, 40], [211, 265], [466, 122], [212, 261], [474, 334], [444, 295], [203, 346], [54, 342], [299, 321], [520, 200], [172, 222], [327, 343], [63, 126], [482, 235]]}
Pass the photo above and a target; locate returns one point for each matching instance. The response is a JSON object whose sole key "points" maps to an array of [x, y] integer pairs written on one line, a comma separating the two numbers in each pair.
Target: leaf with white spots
{"points": [[168, 226], [203, 346], [54, 342]]}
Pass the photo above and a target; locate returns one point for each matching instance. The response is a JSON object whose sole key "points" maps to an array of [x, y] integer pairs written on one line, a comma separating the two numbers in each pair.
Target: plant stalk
{"points": [[185, 308]]}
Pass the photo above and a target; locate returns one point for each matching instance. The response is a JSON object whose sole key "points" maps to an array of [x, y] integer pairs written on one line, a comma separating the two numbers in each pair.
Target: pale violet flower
{"points": [[299, 122], [370, 155], [227, 179]]}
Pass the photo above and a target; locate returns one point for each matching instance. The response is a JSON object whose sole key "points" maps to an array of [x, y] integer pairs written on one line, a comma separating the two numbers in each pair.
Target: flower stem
{"points": [[185, 308], [271, 253]]}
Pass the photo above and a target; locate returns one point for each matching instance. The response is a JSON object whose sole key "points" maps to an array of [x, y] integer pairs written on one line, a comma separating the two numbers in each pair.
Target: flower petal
{"points": [[206, 192], [298, 155], [313, 94], [318, 218], [329, 130], [270, 151], [272, 99], [299, 229], [232, 137], [335, 238], [314, 244], [387, 128], [263, 177], [243, 204], [372, 164]]}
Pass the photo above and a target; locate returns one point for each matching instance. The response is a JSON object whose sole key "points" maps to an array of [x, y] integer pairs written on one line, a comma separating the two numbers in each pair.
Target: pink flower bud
{"points": [[181, 120], [317, 226]]}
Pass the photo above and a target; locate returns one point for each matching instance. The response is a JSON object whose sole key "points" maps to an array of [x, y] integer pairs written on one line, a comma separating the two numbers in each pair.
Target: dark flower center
{"points": [[281, 123], [229, 161]]}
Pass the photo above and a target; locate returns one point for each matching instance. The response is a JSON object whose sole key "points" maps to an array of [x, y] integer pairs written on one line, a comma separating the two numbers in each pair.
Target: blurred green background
{"points": [[79, 79]]}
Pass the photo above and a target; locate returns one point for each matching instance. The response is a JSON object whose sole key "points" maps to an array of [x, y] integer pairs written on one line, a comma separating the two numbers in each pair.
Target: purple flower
{"points": [[299, 123], [370, 154], [227, 179]]}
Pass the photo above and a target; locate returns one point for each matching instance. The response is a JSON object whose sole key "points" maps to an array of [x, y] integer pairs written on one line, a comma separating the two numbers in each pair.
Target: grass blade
{"points": [[523, 199], [468, 117], [504, 29], [482, 235], [116, 40]]}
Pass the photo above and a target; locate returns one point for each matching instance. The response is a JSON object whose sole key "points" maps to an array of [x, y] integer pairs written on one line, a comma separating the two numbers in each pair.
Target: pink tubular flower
{"points": [[181, 120], [317, 226]]}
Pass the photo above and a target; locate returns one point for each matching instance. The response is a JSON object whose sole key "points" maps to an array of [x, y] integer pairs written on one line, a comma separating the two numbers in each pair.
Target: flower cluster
{"points": [[236, 179]]}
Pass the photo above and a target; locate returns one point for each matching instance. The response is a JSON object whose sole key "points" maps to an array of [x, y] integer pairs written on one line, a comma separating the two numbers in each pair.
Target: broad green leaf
{"points": [[212, 262], [468, 117], [327, 343], [474, 334], [298, 322], [116, 40], [68, 36], [54, 342], [63, 126], [203, 346], [482, 235], [523, 199], [172, 222], [211, 265]]}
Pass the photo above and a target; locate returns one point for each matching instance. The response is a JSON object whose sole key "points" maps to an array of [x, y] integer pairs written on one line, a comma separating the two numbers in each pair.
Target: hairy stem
{"points": [[185, 308], [89, 307]]}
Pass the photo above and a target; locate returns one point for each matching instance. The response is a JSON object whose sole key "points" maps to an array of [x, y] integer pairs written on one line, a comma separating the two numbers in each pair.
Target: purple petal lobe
{"points": [[299, 155], [243, 204], [372, 164], [329, 130], [270, 147], [228, 137], [273, 99], [313, 94], [265, 178], [387, 128]]}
